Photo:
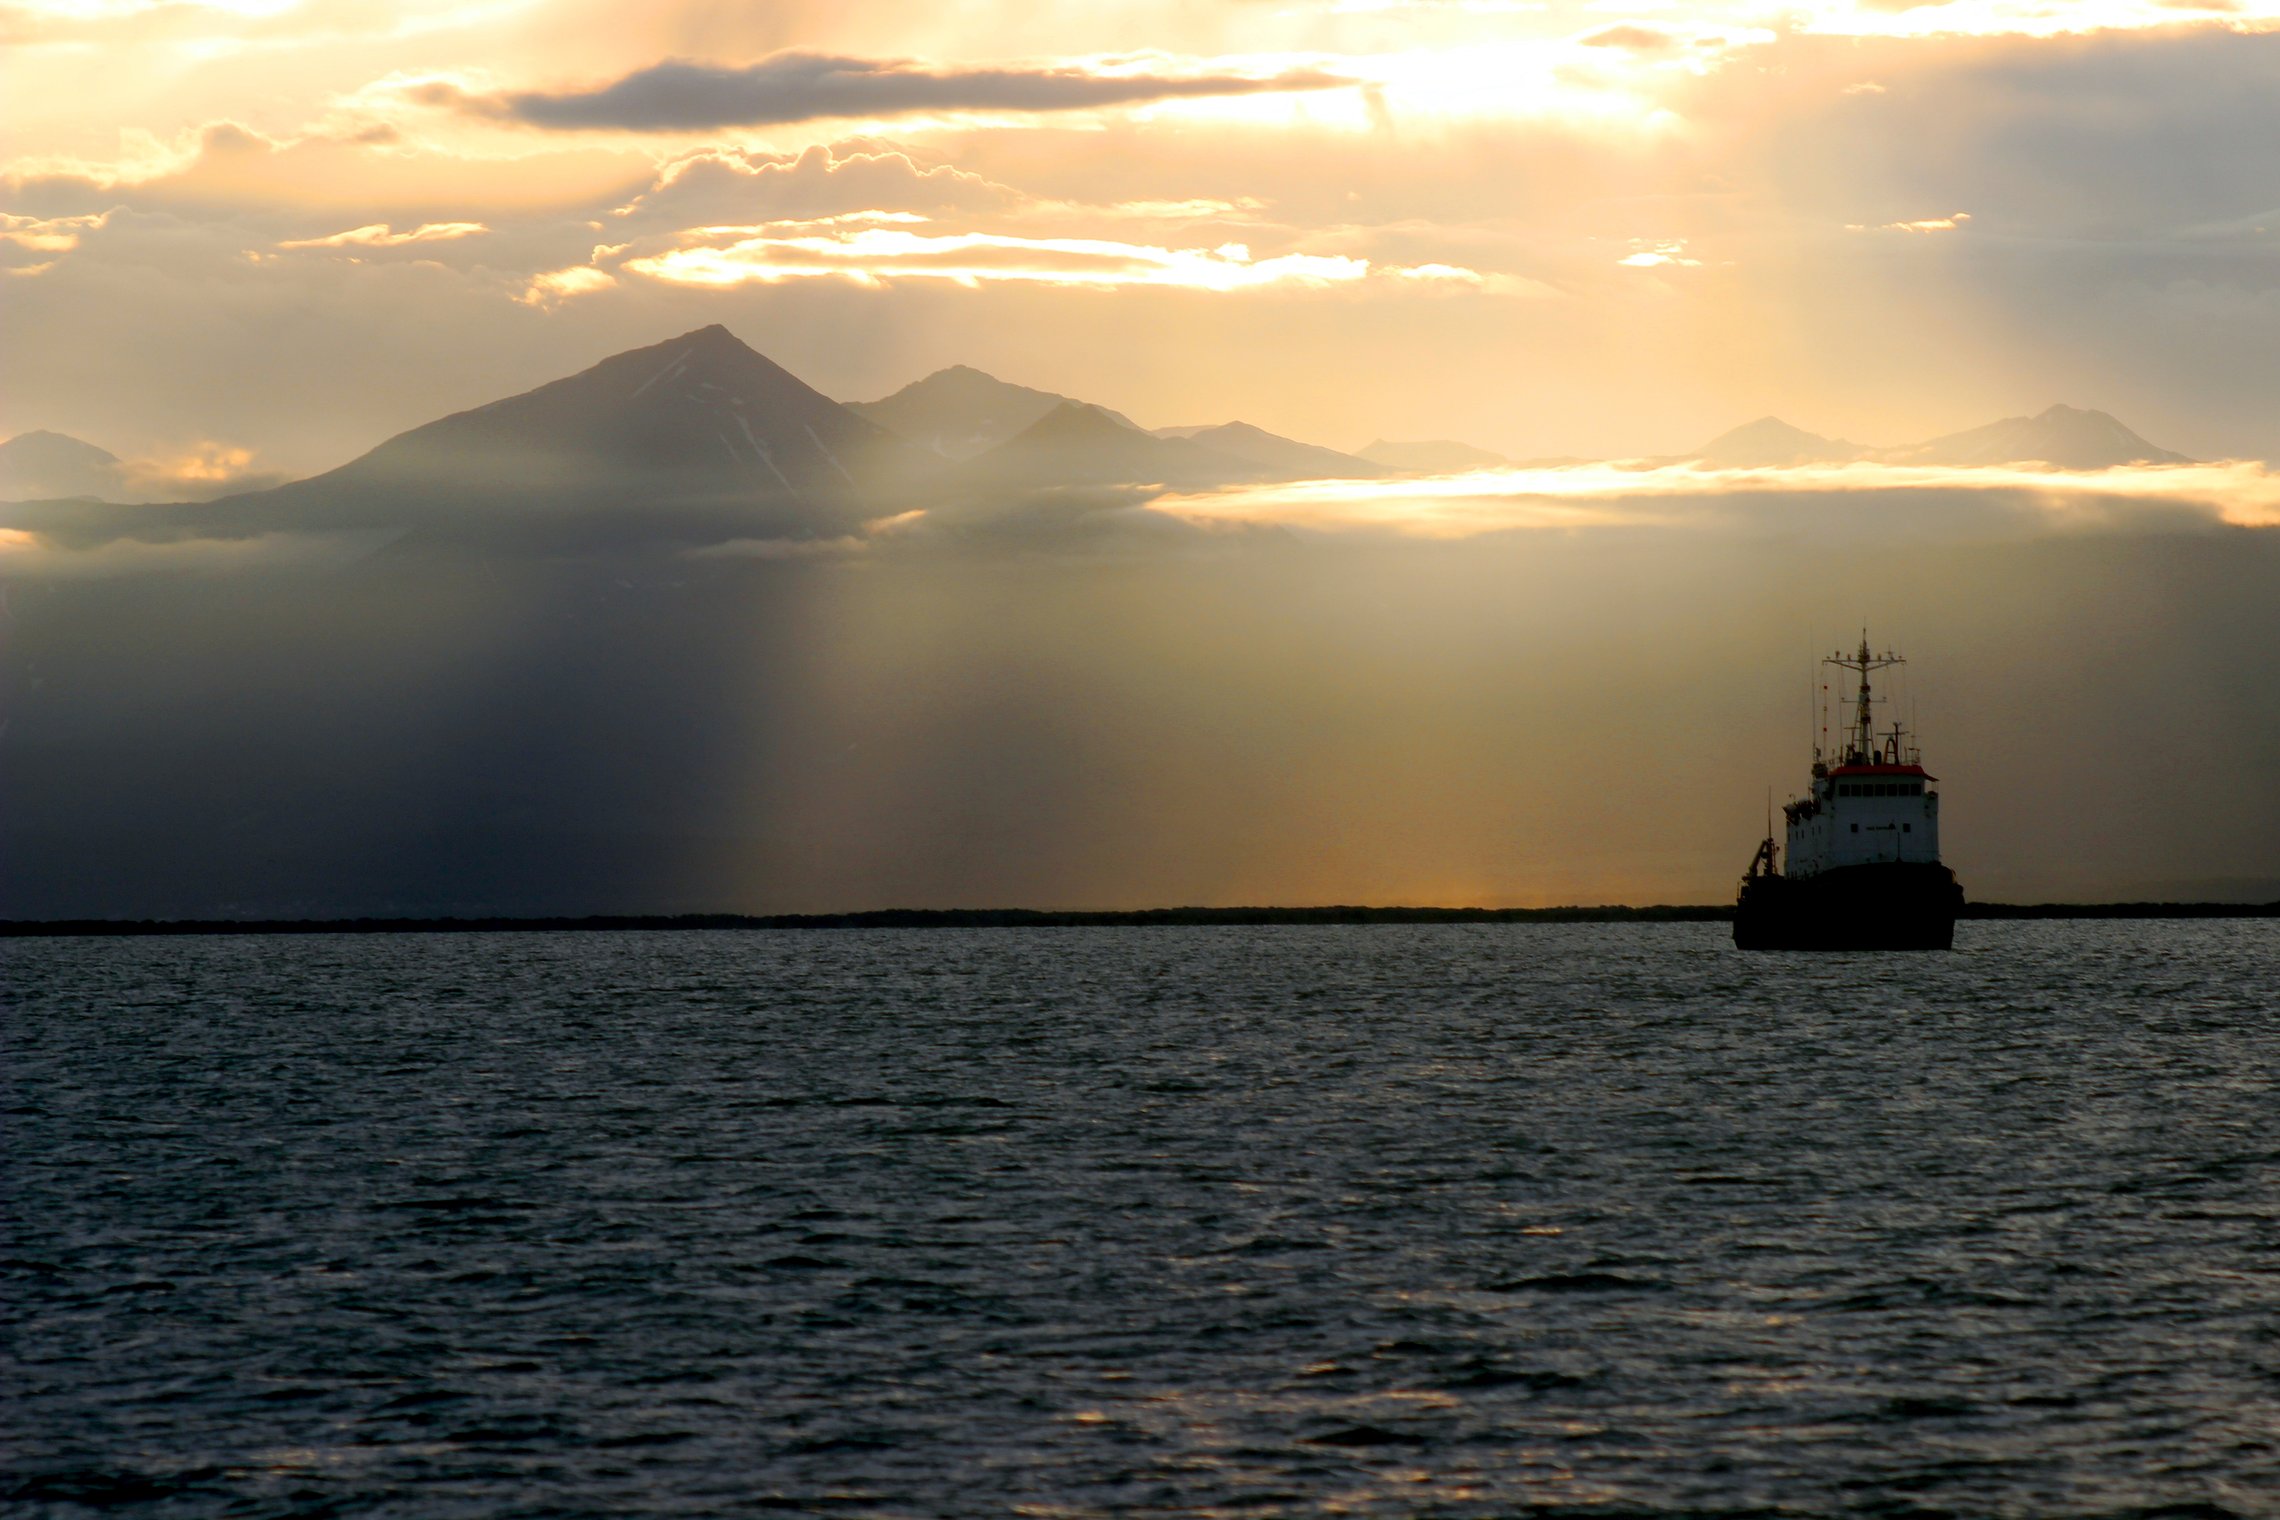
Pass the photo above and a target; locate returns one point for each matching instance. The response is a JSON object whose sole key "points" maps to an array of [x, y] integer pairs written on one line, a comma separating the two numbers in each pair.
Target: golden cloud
{"points": [[880, 255], [556, 286], [1671, 254], [58, 234], [379, 235], [203, 470], [1948, 223]]}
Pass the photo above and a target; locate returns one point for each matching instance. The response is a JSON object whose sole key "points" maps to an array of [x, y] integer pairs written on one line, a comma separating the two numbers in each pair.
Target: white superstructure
{"points": [[1875, 805]]}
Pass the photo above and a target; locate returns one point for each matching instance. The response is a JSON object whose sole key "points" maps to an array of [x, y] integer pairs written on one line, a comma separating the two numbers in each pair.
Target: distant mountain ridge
{"points": [[1770, 443], [963, 414], [701, 439], [2065, 437], [1286, 457], [960, 412], [1076, 444], [2069, 437]]}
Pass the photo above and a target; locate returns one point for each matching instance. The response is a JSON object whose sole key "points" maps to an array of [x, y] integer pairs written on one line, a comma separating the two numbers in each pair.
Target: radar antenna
{"points": [[1862, 740]]}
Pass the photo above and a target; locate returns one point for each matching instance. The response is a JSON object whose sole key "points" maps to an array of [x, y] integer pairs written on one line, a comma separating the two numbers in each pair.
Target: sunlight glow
{"points": [[1660, 256], [2238, 493], [556, 286]]}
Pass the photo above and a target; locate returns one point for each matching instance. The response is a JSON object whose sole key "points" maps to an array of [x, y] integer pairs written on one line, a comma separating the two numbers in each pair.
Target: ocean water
{"points": [[1450, 1221]]}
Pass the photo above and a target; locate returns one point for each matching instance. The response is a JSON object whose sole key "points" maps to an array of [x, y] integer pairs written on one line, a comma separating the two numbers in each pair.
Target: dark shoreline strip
{"points": [[1035, 918]]}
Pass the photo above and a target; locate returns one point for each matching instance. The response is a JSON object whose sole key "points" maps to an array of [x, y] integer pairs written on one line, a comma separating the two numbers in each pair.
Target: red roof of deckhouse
{"points": [[1882, 770]]}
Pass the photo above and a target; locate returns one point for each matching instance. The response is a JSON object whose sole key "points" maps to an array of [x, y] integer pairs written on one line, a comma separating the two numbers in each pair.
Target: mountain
{"points": [[1079, 445], [49, 466], [1770, 443], [960, 412], [2064, 436], [1285, 458], [699, 435], [1437, 456], [2068, 437]]}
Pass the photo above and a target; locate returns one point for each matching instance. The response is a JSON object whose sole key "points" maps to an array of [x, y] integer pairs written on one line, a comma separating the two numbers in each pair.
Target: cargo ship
{"points": [[1863, 846]]}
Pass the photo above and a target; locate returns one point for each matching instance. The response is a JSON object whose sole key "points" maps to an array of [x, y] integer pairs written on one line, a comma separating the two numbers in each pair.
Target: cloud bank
{"points": [[381, 235], [684, 96]]}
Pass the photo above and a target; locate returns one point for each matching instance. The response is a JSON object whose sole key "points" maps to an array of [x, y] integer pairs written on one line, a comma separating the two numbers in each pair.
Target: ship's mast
{"points": [[1863, 725]]}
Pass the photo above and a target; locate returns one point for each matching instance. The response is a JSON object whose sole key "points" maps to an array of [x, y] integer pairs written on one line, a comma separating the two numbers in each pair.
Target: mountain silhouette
{"points": [[1770, 443], [1433, 456], [1076, 445], [698, 435], [700, 439], [2069, 437], [960, 412], [1284, 458], [41, 465]]}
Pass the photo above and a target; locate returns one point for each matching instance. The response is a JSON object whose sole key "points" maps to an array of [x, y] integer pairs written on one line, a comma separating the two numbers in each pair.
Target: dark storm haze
{"points": [[1115, 714]]}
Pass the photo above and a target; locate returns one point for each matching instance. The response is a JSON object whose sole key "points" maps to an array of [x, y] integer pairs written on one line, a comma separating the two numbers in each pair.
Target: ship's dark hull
{"points": [[1892, 906]]}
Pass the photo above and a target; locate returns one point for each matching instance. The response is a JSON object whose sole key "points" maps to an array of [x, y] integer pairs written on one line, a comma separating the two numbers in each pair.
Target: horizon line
{"points": [[1050, 918]]}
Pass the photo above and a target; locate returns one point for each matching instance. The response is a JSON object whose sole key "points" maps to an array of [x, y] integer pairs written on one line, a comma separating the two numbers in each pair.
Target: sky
{"points": [[259, 236]]}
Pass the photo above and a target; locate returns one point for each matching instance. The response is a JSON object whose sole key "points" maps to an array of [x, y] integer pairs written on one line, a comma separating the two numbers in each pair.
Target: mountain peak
{"points": [[48, 438], [699, 425], [1078, 444], [1284, 458], [1770, 442], [711, 341], [2069, 437], [961, 411], [41, 463], [964, 380], [1077, 420]]}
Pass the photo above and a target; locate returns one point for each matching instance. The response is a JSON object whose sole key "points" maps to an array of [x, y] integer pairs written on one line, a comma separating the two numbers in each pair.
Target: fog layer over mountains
{"points": [[680, 633]]}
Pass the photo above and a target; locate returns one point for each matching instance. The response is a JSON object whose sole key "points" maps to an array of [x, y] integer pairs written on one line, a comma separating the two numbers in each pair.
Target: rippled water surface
{"points": [[1390, 1221]]}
